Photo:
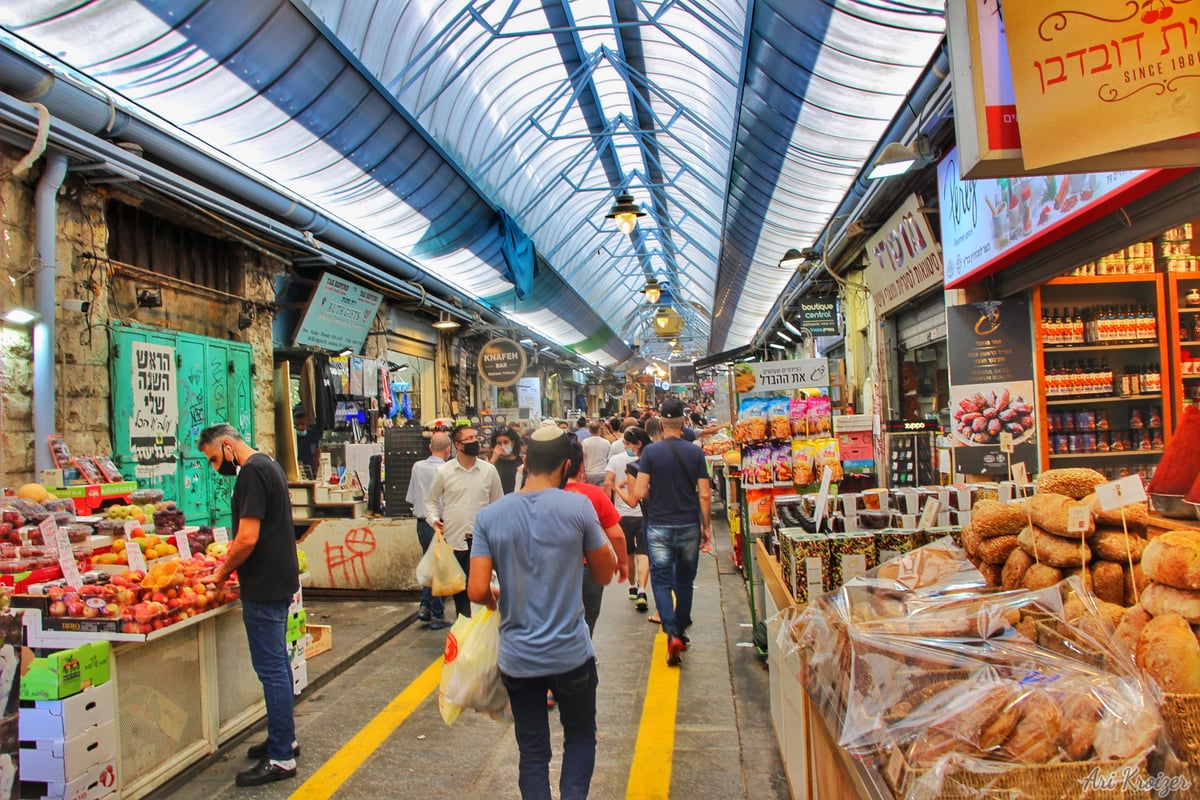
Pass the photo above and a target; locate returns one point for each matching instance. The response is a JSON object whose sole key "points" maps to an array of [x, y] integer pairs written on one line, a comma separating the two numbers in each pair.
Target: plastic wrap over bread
{"points": [[943, 687]]}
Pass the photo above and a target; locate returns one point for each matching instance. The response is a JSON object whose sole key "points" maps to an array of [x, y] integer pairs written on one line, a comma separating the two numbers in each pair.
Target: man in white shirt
{"points": [[595, 455], [460, 488], [432, 609]]}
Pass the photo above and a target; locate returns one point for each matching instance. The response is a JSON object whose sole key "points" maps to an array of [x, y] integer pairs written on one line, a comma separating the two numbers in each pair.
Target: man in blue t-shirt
{"points": [[536, 540], [673, 476]]}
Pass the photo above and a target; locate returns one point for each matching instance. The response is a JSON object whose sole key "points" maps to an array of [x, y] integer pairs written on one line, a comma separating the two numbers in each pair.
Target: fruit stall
{"points": [[136, 579]]}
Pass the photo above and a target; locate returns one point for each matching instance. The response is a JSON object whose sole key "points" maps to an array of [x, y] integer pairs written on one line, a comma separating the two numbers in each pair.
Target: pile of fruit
{"points": [[152, 546], [170, 592], [200, 539], [168, 518]]}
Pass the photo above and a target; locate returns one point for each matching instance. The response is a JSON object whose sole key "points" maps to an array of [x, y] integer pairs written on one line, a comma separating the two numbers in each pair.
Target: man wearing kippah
{"points": [[673, 477], [536, 540]]}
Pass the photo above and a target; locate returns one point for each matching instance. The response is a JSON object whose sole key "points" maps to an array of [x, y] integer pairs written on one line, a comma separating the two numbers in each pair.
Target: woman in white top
{"points": [[618, 482]]}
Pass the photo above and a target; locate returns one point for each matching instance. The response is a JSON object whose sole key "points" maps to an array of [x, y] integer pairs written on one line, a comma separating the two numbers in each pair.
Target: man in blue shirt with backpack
{"points": [[673, 476]]}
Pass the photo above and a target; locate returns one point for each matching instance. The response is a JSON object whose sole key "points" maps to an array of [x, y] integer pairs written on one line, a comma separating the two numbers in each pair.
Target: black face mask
{"points": [[228, 465], [562, 482], [471, 449]]}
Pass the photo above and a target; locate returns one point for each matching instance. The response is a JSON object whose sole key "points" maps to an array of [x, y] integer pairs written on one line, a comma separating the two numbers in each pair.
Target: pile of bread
{"points": [[1163, 630], [1028, 544]]}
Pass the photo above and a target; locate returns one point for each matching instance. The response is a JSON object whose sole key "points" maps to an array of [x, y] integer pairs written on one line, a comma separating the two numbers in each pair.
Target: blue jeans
{"points": [[428, 600], [266, 633], [674, 558], [575, 694]]}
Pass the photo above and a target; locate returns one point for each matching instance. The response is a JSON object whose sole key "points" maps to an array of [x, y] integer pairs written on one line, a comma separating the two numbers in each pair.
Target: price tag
{"points": [[1006, 443], [49, 530], [1020, 473], [1115, 494], [929, 515], [220, 535], [895, 766], [135, 557], [1079, 519], [130, 526], [66, 557], [183, 545], [823, 495]]}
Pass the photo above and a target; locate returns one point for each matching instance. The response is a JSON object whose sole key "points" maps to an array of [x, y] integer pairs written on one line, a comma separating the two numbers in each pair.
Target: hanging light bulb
{"points": [[626, 213], [652, 290]]}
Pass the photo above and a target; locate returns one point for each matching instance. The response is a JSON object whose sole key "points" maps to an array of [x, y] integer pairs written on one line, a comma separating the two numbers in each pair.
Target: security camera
{"points": [[82, 306]]}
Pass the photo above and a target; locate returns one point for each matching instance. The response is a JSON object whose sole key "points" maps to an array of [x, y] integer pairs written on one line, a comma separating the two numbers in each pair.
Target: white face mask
{"points": [[506, 449]]}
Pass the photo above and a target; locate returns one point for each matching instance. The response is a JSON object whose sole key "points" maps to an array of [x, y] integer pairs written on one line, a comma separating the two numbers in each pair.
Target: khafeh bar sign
{"points": [[502, 362], [903, 258]]}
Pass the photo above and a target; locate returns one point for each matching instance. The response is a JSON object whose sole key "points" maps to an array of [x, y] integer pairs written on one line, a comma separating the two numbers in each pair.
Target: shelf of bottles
{"points": [[1175, 253], [1102, 338]]}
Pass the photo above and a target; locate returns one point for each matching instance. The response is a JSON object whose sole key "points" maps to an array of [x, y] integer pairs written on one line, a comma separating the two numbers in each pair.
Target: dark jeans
{"points": [[674, 558], [593, 596], [462, 603], [266, 633], [575, 694], [428, 600]]}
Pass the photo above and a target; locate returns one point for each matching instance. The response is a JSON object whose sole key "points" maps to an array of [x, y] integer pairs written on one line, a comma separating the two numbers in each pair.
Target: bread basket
{"points": [[1060, 781]]}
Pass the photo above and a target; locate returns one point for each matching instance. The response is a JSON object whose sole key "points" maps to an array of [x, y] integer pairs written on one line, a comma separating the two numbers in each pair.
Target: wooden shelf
{"points": [[1189, 310], [1110, 454], [1190, 377], [1064, 348], [1101, 280], [1075, 401]]}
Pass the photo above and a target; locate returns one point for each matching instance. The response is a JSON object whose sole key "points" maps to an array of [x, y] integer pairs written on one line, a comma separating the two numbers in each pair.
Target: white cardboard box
{"points": [[68, 718], [60, 761], [299, 677], [98, 782]]}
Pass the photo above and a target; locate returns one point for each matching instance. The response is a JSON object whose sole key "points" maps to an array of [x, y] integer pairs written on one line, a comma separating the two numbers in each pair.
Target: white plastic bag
{"points": [[439, 569], [470, 674]]}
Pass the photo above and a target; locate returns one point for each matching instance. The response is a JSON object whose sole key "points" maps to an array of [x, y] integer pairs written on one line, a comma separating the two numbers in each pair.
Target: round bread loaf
{"points": [[1130, 628], [997, 549], [1108, 582], [1056, 551], [1174, 559], [1014, 569], [1169, 652], [1111, 545], [1040, 576], [1160, 599]]}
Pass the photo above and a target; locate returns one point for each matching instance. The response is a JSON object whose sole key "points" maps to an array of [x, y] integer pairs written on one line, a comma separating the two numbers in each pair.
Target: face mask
{"points": [[228, 465], [506, 449], [302, 433], [471, 449], [629, 451]]}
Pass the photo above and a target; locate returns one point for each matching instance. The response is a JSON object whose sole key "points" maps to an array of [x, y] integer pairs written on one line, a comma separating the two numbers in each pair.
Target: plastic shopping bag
{"points": [[448, 577], [470, 674], [425, 567]]}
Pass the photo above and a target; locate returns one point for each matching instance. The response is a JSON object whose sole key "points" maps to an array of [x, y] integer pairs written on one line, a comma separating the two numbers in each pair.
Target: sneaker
{"points": [[675, 647], [259, 751], [550, 702], [642, 604], [424, 615], [633, 593], [264, 772]]}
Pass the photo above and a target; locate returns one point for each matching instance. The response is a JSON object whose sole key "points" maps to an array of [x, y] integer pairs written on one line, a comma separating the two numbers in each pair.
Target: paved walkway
{"points": [[702, 731]]}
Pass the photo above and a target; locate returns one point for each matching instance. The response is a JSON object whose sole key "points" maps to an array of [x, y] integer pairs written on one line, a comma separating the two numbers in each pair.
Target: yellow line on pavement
{"points": [[338, 769], [650, 774]]}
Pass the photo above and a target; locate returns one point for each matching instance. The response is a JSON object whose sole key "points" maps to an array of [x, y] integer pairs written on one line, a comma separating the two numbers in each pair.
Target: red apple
{"points": [[55, 592], [75, 608], [58, 609], [112, 610], [91, 612]]}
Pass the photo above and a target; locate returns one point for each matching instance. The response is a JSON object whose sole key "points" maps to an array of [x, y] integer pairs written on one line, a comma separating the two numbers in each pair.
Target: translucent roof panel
{"points": [[415, 122]]}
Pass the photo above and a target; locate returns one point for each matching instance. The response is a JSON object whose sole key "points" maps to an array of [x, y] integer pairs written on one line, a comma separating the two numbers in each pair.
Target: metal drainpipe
{"points": [[44, 334]]}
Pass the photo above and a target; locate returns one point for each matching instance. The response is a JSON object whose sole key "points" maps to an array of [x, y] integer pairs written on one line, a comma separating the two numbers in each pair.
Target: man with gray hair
{"points": [[263, 551], [432, 609]]}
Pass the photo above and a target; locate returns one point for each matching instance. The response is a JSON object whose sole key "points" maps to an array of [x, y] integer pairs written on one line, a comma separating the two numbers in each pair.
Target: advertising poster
{"points": [[991, 384], [338, 316], [155, 415], [775, 376]]}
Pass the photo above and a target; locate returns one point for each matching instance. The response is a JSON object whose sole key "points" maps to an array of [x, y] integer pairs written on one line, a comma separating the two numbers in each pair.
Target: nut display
{"points": [[980, 419]]}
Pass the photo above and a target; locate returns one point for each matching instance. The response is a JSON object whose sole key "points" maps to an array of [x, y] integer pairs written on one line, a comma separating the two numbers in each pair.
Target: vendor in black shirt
{"points": [[263, 551], [506, 457]]}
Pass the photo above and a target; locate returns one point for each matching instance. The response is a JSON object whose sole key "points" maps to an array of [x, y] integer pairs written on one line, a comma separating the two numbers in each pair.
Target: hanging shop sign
{"points": [[338, 316], [501, 362], [991, 385], [682, 374], [775, 376], [155, 419], [903, 258], [819, 316], [1135, 66], [708, 386], [985, 100]]}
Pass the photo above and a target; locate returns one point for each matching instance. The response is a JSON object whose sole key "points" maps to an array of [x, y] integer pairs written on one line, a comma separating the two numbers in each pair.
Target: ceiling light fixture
{"points": [[784, 336], [897, 159], [20, 316], [775, 346], [791, 259], [626, 213], [652, 290], [792, 328], [445, 322]]}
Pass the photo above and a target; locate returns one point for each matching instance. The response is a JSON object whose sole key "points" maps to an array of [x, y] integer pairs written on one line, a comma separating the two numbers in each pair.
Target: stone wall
{"points": [[82, 412]]}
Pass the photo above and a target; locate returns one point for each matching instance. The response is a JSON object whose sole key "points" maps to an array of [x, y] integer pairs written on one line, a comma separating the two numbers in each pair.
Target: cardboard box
{"points": [[98, 782], [66, 719], [299, 677], [64, 673], [321, 640], [64, 761]]}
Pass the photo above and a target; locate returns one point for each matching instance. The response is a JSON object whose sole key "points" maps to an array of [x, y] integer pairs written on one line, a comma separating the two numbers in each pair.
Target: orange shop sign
{"points": [[1098, 76]]}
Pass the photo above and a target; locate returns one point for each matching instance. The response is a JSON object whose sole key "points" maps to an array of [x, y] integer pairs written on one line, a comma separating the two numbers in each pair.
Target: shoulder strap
{"points": [[682, 467]]}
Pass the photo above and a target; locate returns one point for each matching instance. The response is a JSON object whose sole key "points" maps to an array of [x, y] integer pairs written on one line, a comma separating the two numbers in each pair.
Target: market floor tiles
{"points": [[722, 746]]}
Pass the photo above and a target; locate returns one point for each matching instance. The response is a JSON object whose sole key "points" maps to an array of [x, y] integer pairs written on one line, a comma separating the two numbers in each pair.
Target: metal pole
{"points": [[44, 332]]}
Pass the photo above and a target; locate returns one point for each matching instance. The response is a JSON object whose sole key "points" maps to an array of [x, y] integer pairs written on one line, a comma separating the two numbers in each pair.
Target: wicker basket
{"points": [[1051, 638], [1181, 719], [1062, 781]]}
